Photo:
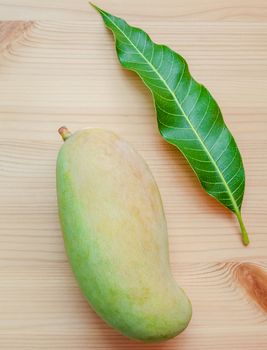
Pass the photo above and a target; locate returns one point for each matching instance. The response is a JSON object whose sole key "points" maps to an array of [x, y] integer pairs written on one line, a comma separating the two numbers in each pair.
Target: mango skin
{"points": [[116, 238]]}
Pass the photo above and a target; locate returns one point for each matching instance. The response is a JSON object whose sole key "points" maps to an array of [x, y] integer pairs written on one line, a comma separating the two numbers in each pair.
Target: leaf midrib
{"points": [[183, 112]]}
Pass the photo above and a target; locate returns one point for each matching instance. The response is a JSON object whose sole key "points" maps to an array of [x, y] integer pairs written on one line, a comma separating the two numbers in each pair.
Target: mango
{"points": [[115, 235]]}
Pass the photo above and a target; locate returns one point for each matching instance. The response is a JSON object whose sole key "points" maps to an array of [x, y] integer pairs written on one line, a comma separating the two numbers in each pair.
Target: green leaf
{"points": [[188, 116]]}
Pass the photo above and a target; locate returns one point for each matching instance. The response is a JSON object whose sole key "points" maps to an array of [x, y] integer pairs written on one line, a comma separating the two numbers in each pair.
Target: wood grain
{"points": [[64, 71]]}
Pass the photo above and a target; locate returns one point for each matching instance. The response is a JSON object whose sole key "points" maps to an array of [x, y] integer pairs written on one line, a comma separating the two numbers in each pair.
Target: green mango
{"points": [[115, 236]]}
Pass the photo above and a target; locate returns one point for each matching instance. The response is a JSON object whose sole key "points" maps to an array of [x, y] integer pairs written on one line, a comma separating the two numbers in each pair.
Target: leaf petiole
{"points": [[244, 233]]}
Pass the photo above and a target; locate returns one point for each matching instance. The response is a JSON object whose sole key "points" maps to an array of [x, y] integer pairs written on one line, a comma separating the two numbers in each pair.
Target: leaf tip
{"points": [[95, 7]]}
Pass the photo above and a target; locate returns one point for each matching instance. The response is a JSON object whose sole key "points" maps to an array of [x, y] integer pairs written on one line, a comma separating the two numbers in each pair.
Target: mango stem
{"points": [[64, 132]]}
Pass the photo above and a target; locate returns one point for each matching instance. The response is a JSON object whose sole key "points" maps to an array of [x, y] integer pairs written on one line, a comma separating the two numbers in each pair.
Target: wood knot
{"points": [[254, 280]]}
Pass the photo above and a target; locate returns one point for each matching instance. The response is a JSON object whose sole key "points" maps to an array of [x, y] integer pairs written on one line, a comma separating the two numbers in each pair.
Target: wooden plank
{"points": [[159, 10], [66, 72]]}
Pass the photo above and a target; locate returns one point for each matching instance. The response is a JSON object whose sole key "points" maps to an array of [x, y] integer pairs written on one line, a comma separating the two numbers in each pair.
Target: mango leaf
{"points": [[188, 116]]}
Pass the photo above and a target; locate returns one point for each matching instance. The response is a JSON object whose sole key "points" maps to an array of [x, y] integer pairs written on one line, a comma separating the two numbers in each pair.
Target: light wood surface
{"points": [[58, 67]]}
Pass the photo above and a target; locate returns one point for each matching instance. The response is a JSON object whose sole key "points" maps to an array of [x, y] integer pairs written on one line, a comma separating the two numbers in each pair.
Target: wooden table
{"points": [[58, 67]]}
